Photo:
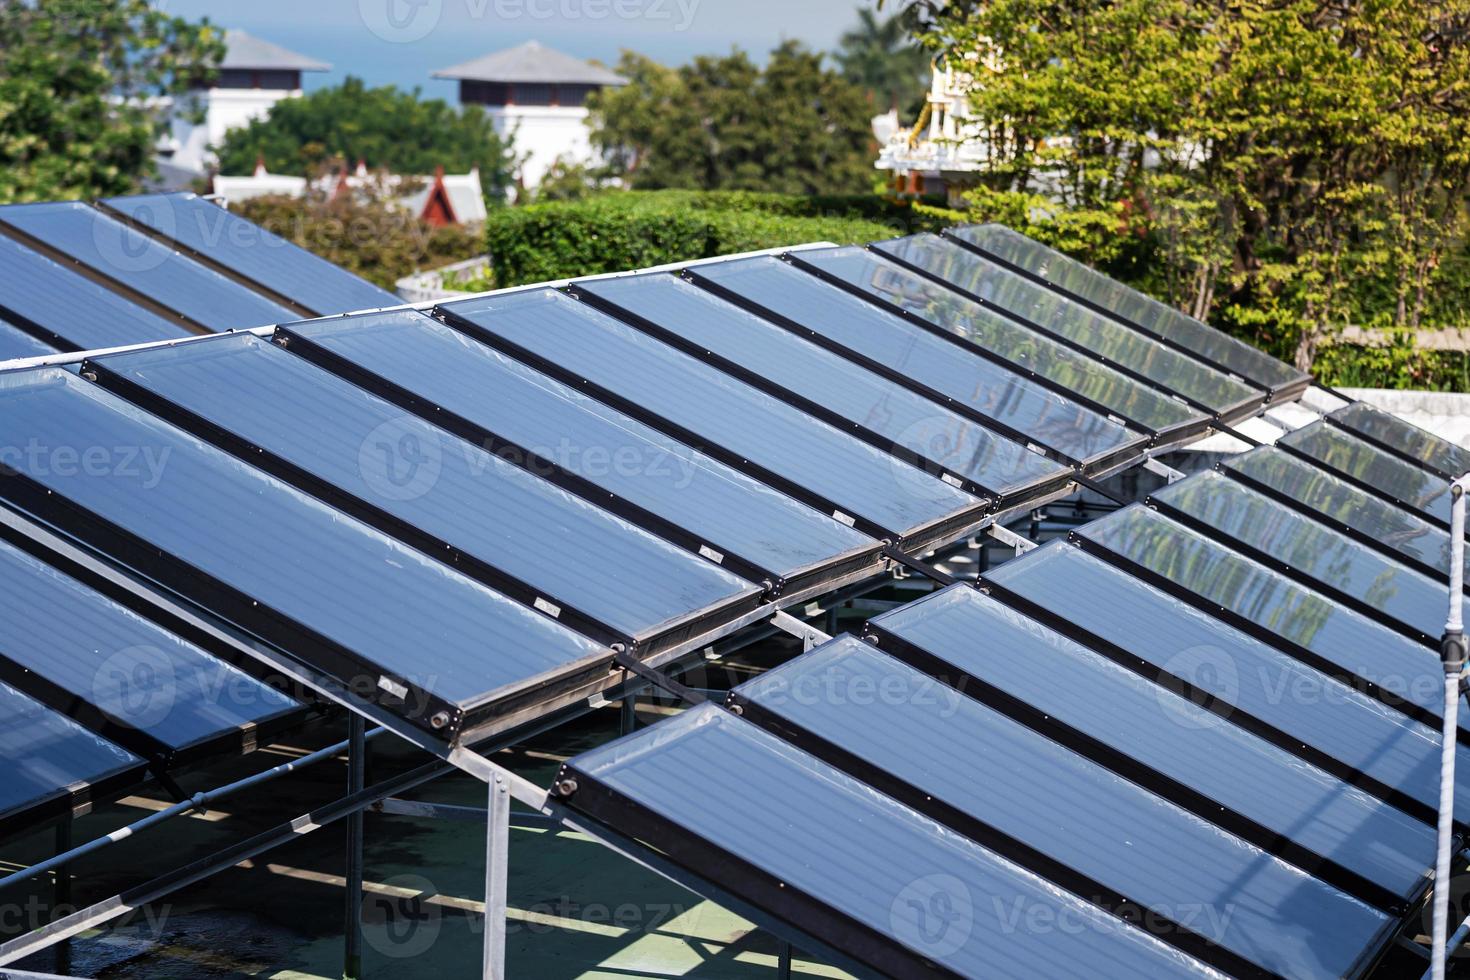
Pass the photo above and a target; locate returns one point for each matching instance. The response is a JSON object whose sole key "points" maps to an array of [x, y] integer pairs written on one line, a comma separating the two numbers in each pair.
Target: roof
{"points": [[532, 62], [244, 50]]}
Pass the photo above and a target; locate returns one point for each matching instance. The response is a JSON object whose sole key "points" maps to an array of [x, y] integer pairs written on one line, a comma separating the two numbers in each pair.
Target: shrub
{"points": [[633, 229]]}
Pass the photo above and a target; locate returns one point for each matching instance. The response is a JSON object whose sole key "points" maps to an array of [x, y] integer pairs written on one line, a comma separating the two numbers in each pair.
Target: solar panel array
{"points": [[391, 498], [130, 270]]}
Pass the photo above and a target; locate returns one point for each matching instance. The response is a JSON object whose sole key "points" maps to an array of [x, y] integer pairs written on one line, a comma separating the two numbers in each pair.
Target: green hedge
{"points": [[632, 229]]}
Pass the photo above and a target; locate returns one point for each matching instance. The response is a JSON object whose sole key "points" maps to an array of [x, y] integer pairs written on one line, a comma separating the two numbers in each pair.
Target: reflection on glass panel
{"points": [[1343, 452], [1438, 454]]}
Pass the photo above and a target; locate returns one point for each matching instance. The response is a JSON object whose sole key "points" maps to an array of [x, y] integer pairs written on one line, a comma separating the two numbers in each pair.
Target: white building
{"points": [[253, 76], [538, 96], [946, 145]]}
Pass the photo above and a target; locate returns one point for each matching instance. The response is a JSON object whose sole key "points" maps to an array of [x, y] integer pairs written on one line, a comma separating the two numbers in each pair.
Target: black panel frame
{"points": [[1362, 484], [1275, 393], [1392, 450], [72, 801]]}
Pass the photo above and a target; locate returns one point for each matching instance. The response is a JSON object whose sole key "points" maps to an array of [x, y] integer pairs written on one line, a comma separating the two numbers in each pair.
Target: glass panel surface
{"points": [[1403, 668], [1344, 453], [908, 419], [1327, 556], [751, 795], [46, 753], [248, 249], [863, 481], [1342, 503], [15, 342], [107, 656], [412, 616], [1438, 454], [731, 511], [82, 313], [1066, 317], [1072, 276], [1079, 688], [994, 391], [996, 770], [1173, 636], [458, 492], [110, 247]]}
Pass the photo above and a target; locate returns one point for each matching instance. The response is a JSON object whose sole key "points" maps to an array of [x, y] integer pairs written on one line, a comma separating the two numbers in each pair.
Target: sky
{"points": [[401, 42]]}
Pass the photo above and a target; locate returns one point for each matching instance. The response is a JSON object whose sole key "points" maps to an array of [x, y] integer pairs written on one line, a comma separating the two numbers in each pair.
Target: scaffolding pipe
{"points": [[195, 802], [1452, 655], [352, 914]]}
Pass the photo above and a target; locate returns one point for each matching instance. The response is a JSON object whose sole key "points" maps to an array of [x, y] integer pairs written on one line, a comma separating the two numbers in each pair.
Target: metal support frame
{"points": [[497, 868], [1169, 473], [1011, 539], [809, 635], [352, 913]]}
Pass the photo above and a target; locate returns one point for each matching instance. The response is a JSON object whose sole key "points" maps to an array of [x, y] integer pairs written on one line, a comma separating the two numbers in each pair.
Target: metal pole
{"points": [[628, 715], [352, 916], [497, 866], [1452, 655], [61, 892], [783, 960]]}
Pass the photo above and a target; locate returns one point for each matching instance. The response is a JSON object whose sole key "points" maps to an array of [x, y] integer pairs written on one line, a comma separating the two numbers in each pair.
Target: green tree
{"points": [[79, 84], [879, 56], [1270, 159], [723, 123], [386, 127]]}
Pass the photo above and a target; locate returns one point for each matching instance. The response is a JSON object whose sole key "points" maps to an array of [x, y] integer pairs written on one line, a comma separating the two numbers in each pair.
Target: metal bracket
{"points": [[809, 636], [1169, 473], [633, 665], [1010, 538]]}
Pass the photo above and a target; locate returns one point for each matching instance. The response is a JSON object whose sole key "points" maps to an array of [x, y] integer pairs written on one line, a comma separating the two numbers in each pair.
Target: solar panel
{"points": [[955, 373], [53, 765], [121, 675], [432, 489], [696, 403], [1308, 551], [1252, 684], [1339, 641], [1372, 469], [76, 312], [393, 625], [251, 251], [1377, 523], [1063, 816], [824, 384], [1404, 439], [1072, 278], [1165, 742], [112, 249], [895, 891], [607, 456], [15, 342], [1062, 317]]}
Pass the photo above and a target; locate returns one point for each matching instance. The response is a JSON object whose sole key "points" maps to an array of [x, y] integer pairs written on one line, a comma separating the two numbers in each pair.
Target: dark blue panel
{"points": [[253, 252], [963, 448], [413, 618], [1321, 712], [1406, 671], [883, 866], [138, 675], [1440, 455], [1065, 317], [80, 313], [1342, 452], [458, 492], [1422, 544], [733, 513], [1070, 276], [111, 248], [15, 342], [993, 769], [1073, 686], [47, 755], [1239, 514], [860, 480], [972, 381], [1026, 348]]}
